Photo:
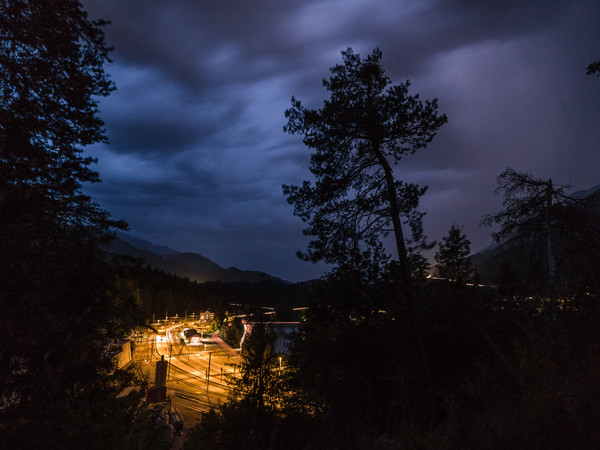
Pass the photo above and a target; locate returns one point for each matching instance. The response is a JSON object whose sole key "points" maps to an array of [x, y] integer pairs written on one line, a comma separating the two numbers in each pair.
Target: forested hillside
{"points": [[161, 293]]}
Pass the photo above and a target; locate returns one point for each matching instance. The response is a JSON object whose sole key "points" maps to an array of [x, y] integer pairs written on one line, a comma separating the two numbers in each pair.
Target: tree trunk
{"points": [[550, 253], [405, 266]]}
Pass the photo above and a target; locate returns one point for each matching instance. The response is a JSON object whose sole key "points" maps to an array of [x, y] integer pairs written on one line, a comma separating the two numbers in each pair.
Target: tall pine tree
{"points": [[363, 129], [452, 258], [61, 302]]}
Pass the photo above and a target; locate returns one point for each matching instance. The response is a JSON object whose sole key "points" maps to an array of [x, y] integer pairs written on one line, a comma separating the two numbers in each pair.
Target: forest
{"points": [[160, 293], [496, 353]]}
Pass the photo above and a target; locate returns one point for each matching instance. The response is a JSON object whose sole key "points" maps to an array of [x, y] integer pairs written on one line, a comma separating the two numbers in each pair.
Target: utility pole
{"points": [[170, 354], [208, 372]]}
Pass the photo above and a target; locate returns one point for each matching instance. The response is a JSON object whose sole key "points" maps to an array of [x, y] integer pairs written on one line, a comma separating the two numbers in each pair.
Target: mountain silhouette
{"points": [[187, 265]]}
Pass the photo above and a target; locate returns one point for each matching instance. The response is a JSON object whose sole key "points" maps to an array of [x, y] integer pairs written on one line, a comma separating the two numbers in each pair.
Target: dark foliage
{"points": [[240, 425], [452, 259], [62, 300], [364, 122], [257, 382], [232, 331], [551, 238], [504, 377], [594, 68], [453, 262]]}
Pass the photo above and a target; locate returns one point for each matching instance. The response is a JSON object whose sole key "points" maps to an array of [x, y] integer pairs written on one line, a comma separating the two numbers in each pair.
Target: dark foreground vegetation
{"points": [[504, 375], [383, 357], [63, 302]]}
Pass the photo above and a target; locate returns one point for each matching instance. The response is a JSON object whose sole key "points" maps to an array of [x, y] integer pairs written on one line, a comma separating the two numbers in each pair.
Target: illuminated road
{"points": [[190, 386]]}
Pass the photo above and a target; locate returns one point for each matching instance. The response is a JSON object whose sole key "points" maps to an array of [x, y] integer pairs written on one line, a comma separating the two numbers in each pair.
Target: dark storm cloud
{"points": [[197, 155], [147, 135]]}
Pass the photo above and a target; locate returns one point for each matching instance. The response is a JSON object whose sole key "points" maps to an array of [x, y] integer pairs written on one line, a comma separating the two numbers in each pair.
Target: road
{"points": [[190, 385]]}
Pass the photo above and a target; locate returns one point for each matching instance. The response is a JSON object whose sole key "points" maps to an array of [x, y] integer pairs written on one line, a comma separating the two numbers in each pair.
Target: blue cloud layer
{"points": [[197, 155]]}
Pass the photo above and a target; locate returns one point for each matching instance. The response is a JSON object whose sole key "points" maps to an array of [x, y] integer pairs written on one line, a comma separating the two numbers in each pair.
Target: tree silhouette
{"points": [[558, 229], [364, 128], [528, 204], [61, 301], [452, 258], [594, 68], [453, 263], [258, 371]]}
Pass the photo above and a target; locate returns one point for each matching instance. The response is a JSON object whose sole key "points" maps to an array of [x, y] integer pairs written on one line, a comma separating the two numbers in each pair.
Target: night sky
{"points": [[197, 154]]}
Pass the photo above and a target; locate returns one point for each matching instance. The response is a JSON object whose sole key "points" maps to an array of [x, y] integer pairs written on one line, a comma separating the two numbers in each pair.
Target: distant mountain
{"points": [[191, 265], [488, 263], [145, 245], [585, 193]]}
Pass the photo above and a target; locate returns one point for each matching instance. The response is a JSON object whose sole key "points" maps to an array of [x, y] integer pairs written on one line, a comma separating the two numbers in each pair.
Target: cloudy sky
{"points": [[197, 154]]}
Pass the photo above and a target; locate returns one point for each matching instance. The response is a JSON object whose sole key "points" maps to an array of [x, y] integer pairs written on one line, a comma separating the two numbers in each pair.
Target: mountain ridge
{"points": [[184, 264]]}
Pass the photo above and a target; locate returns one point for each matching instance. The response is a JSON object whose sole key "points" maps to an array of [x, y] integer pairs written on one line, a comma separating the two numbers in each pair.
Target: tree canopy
{"points": [[62, 302], [362, 129], [594, 68]]}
